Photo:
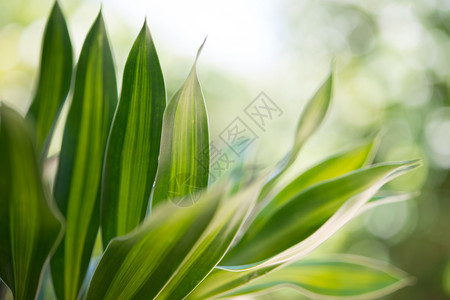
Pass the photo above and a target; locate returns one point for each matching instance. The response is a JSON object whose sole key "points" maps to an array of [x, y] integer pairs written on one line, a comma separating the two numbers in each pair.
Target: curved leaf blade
{"points": [[312, 116], [77, 184], [188, 242], [332, 167], [30, 227], [310, 120], [221, 281], [332, 277], [386, 197], [184, 156], [54, 78], [133, 145], [269, 239], [212, 245]]}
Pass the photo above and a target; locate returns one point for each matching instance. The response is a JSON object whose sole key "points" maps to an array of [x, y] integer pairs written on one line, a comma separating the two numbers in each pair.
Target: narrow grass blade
{"points": [[133, 146], [30, 227], [184, 156], [77, 183], [175, 250], [332, 277], [54, 78], [276, 235]]}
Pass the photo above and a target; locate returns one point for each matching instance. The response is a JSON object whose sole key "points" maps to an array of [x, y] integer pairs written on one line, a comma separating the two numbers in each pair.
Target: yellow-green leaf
{"points": [[169, 255], [310, 120], [332, 167], [223, 280], [386, 197], [54, 78], [30, 227], [133, 146], [277, 232], [77, 183], [184, 156], [332, 277]]}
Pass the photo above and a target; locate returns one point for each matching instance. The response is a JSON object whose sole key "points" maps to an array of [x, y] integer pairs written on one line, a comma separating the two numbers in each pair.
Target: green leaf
{"points": [[133, 146], [30, 227], [168, 256], [77, 183], [221, 281], [54, 78], [332, 167], [312, 116], [338, 276], [386, 197], [276, 232], [310, 120], [184, 156]]}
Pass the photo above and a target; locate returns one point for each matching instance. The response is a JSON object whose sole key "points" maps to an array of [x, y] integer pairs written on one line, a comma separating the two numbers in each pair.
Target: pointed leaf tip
{"points": [[144, 28], [134, 141], [184, 155], [56, 7], [55, 73], [415, 163], [332, 65], [77, 181], [100, 14], [311, 118], [199, 51]]}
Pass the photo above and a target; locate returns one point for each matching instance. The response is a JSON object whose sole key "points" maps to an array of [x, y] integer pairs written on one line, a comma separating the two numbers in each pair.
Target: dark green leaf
{"points": [[77, 184], [54, 78], [133, 146], [30, 227]]}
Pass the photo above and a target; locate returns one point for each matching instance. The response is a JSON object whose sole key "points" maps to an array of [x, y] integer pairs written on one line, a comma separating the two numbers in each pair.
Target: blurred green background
{"points": [[393, 75]]}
